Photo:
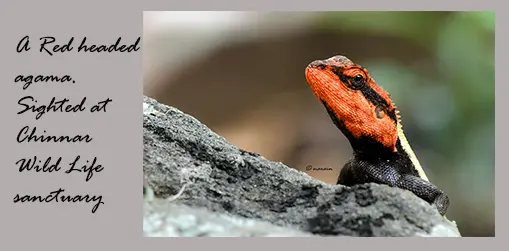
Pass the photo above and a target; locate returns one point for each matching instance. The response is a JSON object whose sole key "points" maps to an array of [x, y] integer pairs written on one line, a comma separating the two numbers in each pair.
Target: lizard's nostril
{"points": [[317, 64]]}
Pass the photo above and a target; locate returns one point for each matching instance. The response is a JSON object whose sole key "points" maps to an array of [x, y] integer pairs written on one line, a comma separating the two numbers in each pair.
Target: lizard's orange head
{"points": [[356, 104]]}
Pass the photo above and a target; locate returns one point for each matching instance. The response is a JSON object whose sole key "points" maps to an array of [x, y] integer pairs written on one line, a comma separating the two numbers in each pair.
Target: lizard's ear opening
{"points": [[379, 112]]}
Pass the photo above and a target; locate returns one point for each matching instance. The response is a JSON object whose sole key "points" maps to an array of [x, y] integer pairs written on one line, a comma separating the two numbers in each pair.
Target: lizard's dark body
{"points": [[364, 113]]}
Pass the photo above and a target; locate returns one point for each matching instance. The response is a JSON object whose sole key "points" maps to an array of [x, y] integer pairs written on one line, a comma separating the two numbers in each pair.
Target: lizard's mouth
{"points": [[314, 75]]}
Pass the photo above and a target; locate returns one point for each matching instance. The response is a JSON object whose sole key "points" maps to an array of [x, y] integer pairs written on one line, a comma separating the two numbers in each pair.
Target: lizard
{"points": [[364, 112]]}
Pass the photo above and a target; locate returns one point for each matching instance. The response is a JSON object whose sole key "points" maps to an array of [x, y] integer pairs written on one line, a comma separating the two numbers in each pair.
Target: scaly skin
{"points": [[365, 114]]}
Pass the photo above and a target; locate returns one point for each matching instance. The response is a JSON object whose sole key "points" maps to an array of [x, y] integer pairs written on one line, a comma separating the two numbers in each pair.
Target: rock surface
{"points": [[166, 219], [244, 194]]}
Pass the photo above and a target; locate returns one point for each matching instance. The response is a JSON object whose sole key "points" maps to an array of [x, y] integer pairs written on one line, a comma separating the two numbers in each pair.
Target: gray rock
{"points": [[183, 157], [166, 219]]}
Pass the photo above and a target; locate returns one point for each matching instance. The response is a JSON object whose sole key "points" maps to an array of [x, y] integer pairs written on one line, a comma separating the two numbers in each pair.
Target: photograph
{"points": [[318, 123]]}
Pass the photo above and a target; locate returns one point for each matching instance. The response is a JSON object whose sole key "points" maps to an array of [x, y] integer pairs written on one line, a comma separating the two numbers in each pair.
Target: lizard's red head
{"points": [[360, 106]]}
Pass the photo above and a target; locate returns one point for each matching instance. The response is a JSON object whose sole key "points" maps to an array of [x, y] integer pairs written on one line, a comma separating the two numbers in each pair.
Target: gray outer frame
{"points": [[118, 133]]}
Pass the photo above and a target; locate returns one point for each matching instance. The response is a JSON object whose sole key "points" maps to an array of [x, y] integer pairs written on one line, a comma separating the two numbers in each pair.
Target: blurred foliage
{"points": [[450, 99]]}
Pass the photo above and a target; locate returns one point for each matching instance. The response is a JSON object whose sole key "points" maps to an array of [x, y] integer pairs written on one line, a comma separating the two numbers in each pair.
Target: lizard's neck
{"points": [[366, 148], [405, 147]]}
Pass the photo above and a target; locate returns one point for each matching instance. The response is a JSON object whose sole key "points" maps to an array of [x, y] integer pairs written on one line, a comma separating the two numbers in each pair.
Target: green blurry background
{"points": [[243, 76]]}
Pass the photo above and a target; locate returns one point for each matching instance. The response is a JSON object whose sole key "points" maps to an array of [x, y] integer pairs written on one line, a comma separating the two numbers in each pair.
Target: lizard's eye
{"points": [[357, 81]]}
